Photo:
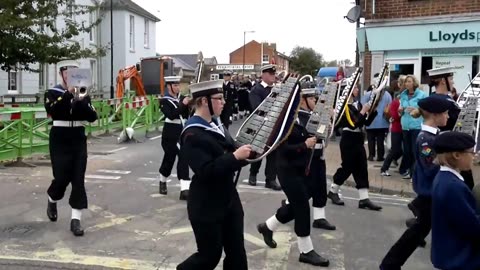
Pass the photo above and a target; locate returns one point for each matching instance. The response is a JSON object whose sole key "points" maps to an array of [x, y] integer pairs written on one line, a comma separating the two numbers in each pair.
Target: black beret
{"points": [[453, 141], [434, 104]]}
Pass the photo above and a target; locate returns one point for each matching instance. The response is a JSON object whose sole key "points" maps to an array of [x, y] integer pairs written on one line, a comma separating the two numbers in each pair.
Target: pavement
{"points": [[130, 226]]}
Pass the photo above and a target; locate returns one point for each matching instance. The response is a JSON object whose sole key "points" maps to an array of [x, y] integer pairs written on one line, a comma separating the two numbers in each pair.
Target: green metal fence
{"points": [[24, 130]]}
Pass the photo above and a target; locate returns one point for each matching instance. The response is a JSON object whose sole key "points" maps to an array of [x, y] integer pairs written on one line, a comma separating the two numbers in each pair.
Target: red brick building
{"points": [[259, 54], [416, 35]]}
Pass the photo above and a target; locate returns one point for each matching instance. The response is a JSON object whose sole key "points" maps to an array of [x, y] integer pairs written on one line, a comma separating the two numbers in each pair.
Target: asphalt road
{"points": [[130, 226]]}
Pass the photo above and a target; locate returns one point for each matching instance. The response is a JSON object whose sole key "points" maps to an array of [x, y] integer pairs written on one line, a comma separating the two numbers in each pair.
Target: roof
{"points": [[190, 60], [210, 61], [178, 62], [130, 6]]}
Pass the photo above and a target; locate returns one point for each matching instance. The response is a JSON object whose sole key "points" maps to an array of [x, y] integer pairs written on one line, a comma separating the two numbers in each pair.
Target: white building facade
{"points": [[134, 31]]}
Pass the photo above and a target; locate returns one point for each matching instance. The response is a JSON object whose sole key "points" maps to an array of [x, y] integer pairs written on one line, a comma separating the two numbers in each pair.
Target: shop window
{"points": [[401, 69], [427, 63], [475, 65]]}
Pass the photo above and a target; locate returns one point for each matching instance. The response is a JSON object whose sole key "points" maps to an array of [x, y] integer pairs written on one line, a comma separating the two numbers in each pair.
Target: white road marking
{"points": [[156, 137], [114, 171], [118, 149], [258, 182], [97, 176]]}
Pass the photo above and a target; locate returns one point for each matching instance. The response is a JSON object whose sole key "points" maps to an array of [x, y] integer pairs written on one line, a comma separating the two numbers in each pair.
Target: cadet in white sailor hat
{"points": [[214, 207], [176, 112], [68, 146]]}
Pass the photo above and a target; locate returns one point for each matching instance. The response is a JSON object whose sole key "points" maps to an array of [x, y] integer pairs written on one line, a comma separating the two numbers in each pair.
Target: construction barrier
{"points": [[24, 130]]}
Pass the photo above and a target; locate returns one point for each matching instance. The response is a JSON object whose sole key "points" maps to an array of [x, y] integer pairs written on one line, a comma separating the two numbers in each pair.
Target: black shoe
{"points": [[272, 185], [370, 158], [163, 188], [368, 204], [52, 211], [422, 243], [183, 195], [252, 180], [380, 159], [313, 258], [76, 228], [410, 222], [335, 198], [413, 209], [267, 235], [323, 224]]}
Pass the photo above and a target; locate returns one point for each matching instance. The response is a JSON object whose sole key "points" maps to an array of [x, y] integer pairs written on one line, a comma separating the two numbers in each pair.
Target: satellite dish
{"points": [[354, 14]]}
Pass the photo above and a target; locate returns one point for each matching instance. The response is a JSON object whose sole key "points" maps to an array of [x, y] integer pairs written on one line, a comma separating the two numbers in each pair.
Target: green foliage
{"points": [[305, 60], [29, 34]]}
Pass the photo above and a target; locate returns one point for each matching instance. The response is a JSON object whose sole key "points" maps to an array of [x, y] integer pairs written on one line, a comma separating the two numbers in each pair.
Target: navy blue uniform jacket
{"points": [[455, 224], [210, 156], [258, 94], [425, 168]]}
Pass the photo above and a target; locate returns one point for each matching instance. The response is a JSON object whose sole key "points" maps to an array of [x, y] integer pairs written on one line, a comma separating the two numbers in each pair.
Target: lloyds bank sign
{"points": [[454, 37]]}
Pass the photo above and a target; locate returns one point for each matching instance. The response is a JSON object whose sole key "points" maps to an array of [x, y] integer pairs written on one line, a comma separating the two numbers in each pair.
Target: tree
{"points": [[28, 33], [305, 60], [333, 63]]}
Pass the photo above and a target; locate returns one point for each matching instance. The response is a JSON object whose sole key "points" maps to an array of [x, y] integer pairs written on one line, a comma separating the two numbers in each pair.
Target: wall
{"points": [[253, 52], [391, 9]]}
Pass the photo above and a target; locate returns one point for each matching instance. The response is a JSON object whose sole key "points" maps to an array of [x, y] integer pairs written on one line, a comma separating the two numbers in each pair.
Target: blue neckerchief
{"points": [[168, 96], [58, 88], [197, 121]]}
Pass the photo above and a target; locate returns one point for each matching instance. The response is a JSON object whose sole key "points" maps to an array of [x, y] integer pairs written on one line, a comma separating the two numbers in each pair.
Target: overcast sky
{"points": [[216, 27]]}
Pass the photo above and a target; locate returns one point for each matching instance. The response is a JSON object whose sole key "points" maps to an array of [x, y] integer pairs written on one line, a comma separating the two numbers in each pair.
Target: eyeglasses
{"points": [[218, 98]]}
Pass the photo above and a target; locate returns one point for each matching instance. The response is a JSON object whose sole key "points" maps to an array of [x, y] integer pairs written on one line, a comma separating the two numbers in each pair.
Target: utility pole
{"points": [[111, 50]]}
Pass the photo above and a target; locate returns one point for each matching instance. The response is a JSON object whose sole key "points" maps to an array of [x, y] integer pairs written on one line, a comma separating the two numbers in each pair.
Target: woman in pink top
{"points": [[340, 74], [395, 128]]}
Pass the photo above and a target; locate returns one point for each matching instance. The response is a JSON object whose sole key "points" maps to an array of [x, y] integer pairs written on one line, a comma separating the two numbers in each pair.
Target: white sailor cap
{"points": [[269, 68], [309, 92], [227, 72], [63, 65], [440, 72], [206, 88], [172, 79]]}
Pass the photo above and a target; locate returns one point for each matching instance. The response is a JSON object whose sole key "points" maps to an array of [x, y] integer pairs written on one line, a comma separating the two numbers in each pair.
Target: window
{"points": [[132, 33], [146, 34], [427, 64], [70, 9], [93, 69], [92, 30], [13, 80], [214, 77], [265, 58], [41, 78]]}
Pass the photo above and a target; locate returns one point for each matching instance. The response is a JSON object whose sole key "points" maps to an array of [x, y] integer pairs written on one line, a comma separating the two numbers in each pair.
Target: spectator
{"points": [[410, 126]]}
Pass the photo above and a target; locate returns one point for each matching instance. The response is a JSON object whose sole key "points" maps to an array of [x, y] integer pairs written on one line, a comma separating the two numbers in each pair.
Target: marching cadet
{"points": [[214, 207], [68, 146], [352, 151], [258, 93], [442, 80], [230, 93], [176, 112], [434, 112], [243, 91], [292, 158], [317, 173], [455, 219]]}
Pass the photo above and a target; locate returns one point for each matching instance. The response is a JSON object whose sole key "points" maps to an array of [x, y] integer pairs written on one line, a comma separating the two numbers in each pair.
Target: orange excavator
{"points": [[130, 72], [154, 69]]}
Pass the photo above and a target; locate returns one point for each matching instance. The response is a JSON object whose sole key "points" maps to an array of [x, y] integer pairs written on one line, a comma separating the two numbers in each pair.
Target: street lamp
{"points": [[111, 50], [243, 66]]}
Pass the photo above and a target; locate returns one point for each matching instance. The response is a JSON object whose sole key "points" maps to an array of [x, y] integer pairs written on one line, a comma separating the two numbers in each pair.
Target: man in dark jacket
{"points": [[258, 93]]}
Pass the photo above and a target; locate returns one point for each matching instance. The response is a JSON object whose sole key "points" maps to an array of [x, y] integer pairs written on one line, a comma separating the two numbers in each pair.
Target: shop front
{"points": [[415, 47]]}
